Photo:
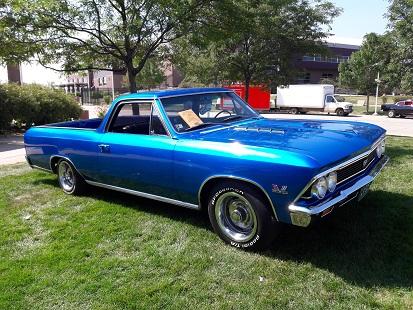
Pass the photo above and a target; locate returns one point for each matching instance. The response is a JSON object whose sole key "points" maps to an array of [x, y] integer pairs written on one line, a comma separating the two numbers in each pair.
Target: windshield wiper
{"points": [[235, 117], [201, 126], [232, 118]]}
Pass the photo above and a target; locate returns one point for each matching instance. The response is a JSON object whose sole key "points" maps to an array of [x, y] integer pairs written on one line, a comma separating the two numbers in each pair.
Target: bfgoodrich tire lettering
{"points": [[239, 215]]}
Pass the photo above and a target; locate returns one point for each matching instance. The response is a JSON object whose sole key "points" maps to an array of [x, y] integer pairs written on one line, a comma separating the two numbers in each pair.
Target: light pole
{"points": [[377, 93]]}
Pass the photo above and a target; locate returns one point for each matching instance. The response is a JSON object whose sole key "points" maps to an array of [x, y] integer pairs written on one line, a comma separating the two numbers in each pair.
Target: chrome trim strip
{"points": [[40, 168], [344, 193], [62, 127], [193, 94], [340, 166], [65, 158], [145, 195], [240, 179]]}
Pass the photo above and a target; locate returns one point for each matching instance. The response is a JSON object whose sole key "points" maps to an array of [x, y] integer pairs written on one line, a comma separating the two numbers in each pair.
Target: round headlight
{"points": [[379, 151], [319, 188], [332, 181]]}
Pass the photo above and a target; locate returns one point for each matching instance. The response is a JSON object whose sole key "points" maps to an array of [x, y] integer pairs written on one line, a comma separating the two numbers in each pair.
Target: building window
{"points": [[104, 80], [330, 59], [327, 76], [304, 78], [99, 82]]}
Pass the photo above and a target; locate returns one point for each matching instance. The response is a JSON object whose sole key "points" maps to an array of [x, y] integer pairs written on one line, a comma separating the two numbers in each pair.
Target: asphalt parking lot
{"points": [[11, 150], [394, 126]]}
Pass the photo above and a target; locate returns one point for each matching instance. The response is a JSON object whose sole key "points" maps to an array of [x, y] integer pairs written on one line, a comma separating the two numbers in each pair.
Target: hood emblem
{"points": [[365, 162], [280, 189]]}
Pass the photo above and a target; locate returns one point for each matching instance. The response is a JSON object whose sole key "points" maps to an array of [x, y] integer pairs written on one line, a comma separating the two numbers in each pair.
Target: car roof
{"points": [[170, 93]]}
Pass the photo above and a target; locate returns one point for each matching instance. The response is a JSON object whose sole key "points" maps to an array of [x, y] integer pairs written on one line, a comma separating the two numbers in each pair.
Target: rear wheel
{"points": [[69, 179], [240, 217], [340, 112], [391, 114], [294, 111]]}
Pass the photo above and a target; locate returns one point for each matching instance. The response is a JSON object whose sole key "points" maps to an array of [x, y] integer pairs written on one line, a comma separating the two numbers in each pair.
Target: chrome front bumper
{"points": [[301, 216]]}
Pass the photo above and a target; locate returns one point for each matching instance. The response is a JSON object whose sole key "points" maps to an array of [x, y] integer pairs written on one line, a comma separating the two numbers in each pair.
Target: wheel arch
{"points": [[56, 158], [212, 181]]}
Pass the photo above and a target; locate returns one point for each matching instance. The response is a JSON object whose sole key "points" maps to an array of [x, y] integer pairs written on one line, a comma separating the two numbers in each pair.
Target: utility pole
{"points": [[377, 93]]}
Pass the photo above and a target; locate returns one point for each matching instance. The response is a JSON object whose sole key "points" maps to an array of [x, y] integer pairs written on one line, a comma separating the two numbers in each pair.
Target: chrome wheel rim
{"points": [[66, 176], [236, 217]]}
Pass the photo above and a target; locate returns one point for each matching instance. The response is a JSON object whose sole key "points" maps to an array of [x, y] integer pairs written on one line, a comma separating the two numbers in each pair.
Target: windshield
{"points": [[193, 112], [339, 98]]}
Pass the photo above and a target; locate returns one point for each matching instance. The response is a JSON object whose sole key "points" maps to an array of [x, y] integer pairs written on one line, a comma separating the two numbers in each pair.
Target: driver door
{"points": [[136, 151]]}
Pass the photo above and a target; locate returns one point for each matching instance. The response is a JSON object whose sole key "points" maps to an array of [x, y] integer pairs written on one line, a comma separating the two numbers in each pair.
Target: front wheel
{"points": [[402, 116], [391, 114], [240, 216], [294, 111], [340, 112], [70, 180]]}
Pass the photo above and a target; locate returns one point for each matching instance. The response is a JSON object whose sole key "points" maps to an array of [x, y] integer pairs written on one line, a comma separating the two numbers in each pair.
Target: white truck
{"points": [[310, 97]]}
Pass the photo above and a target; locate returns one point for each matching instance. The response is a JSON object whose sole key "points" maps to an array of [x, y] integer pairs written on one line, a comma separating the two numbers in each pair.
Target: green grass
{"points": [[107, 250]]}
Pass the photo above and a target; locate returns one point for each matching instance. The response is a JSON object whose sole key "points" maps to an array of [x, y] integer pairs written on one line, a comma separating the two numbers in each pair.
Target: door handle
{"points": [[104, 148]]}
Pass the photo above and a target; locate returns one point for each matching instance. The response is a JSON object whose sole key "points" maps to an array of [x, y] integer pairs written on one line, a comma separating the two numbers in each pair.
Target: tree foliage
{"points": [[255, 41], [118, 35], [360, 72], [400, 16]]}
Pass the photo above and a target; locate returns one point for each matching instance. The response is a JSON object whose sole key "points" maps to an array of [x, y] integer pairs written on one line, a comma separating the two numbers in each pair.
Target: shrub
{"points": [[401, 98], [35, 104]]}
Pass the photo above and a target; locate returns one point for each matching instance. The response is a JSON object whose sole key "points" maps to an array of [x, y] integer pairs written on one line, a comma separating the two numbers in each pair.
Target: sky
{"points": [[358, 18]]}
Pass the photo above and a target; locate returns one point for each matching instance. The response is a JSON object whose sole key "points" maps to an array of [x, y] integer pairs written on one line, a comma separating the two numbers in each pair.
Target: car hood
{"points": [[326, 142]]}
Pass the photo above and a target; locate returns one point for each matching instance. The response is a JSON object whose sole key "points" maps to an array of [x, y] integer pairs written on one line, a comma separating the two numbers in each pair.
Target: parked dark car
{"points": [[401, 108]]}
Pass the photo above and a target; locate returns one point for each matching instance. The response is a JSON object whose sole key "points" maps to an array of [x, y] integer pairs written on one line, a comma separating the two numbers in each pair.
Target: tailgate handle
{"points": [[104, 148]]}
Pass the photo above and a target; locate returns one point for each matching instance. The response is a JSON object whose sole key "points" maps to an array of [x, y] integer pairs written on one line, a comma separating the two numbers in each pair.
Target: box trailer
{"points": [[311, 97], [259, 96]]}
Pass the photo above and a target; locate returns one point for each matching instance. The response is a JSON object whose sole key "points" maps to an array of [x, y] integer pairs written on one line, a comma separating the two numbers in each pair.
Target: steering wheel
{"points": [[220, 112]]}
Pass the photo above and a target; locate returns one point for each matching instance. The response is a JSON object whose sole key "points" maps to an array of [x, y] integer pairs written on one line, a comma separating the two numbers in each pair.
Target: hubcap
{"points": [[236, 217], [66, 177]]}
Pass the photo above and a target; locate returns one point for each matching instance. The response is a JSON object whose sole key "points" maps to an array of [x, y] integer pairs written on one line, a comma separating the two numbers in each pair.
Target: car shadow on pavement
{"points": [[369, 244]]}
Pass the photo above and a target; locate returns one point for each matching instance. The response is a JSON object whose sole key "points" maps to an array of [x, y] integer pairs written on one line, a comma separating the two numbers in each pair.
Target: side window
{"points": [[135, 118], [329, 99], [157, 127]]}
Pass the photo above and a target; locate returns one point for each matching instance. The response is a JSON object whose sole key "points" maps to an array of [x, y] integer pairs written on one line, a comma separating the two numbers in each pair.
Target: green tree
{"points": [[116, 35], [255, 41], [360, 72], [400, 16]]}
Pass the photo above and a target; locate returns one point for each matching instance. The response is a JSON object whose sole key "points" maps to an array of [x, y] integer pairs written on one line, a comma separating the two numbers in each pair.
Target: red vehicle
{"points": [[259, 96]]}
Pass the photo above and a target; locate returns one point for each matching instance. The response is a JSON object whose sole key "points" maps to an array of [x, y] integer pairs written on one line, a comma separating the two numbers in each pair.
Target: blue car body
{"points": [[279, 157]]}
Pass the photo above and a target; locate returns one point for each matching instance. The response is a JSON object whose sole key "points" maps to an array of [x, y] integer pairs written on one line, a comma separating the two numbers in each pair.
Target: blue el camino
{"points": [[206, 148]]}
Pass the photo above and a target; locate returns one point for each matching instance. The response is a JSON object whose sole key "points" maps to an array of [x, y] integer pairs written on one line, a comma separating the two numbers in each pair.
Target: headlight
{"points": [[319, 188], [346, 107], [381, 148], [332, 181]]}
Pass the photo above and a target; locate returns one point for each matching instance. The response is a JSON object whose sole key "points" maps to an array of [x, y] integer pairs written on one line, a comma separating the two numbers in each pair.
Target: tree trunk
{"points": [[132, 79], [368, 102], [247, 88]]}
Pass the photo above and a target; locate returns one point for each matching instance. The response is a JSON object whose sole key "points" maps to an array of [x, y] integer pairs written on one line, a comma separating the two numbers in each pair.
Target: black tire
{"points": [[391, 114], [340, 112], [232, 207], [70, 181], [402, 116], [294, 111]]}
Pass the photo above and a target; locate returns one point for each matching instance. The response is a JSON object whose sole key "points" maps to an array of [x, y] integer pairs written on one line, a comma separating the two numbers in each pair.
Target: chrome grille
{"points": [[355, 168]]}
